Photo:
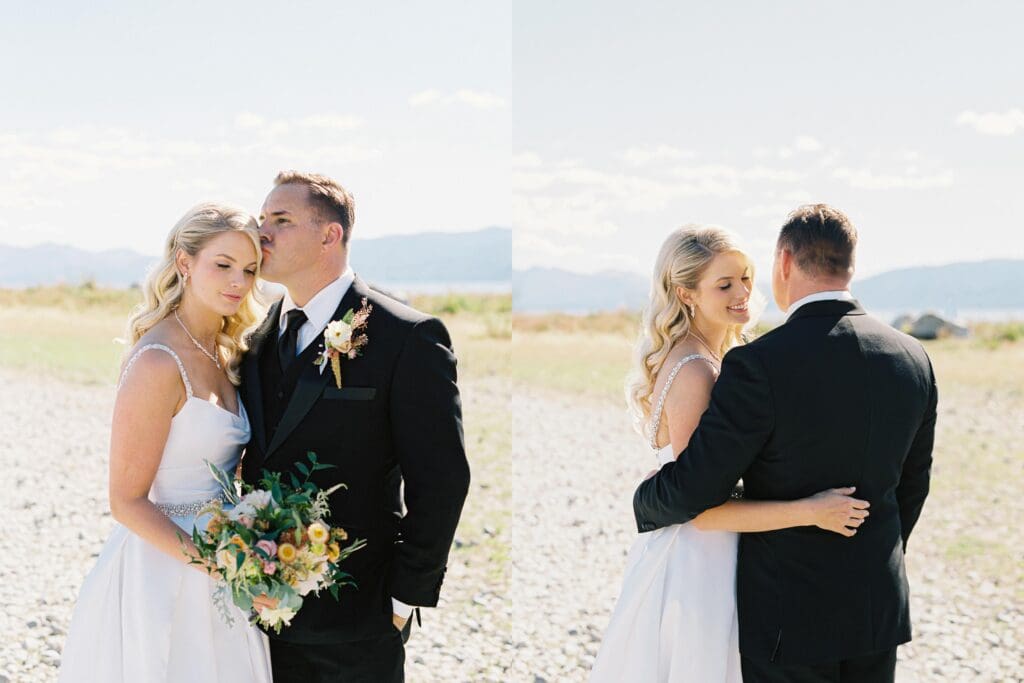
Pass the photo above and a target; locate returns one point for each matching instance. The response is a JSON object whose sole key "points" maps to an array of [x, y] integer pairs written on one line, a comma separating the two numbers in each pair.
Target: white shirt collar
{"points": [[322, 306], [835, 295]]}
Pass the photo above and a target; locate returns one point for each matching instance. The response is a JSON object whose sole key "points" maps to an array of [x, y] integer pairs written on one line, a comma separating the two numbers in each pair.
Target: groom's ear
{"points": [[333, 235], [785, 262]]}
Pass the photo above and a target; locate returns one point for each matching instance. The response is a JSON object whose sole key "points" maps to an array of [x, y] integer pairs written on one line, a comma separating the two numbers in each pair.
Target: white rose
{"points": [[243, 508], [339, 334], [257, 499]]}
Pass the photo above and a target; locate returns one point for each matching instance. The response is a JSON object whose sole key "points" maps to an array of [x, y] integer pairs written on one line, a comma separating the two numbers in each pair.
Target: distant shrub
{"points": [[459, 304], [993, 335], [86, 296]]}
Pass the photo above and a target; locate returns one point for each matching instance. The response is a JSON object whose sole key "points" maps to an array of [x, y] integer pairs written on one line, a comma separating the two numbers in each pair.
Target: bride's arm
{"points": [[834, 509], [152, 392]]}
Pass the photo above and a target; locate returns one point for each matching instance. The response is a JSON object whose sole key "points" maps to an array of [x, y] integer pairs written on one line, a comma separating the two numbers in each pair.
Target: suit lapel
{"points": [[311, 381], [251, 376]]}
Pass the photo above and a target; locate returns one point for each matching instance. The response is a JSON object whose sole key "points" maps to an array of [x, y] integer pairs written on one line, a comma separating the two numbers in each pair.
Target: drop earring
{"points": [[692, 314], [184, 279]]}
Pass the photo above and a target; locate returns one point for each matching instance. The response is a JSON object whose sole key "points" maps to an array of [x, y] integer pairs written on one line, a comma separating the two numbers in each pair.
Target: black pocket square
{"points": [[350, 393]]}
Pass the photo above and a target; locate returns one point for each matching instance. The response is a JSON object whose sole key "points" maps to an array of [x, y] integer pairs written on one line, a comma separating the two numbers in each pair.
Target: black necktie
{"points": [[294, 319]]}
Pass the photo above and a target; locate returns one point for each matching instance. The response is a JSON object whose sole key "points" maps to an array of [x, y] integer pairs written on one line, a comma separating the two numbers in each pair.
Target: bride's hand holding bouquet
{"points": [[270, 546]]}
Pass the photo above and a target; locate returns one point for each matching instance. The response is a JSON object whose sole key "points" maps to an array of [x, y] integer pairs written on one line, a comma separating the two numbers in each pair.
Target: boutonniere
{"points": [[345, 337]]}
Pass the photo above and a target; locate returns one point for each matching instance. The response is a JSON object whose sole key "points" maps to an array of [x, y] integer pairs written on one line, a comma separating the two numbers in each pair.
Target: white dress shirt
{"points": [[836, 295], [318, 312]]}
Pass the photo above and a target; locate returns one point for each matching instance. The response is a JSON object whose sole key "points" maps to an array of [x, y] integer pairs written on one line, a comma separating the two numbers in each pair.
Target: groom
{"points": [[831, 398], [395, 420]]}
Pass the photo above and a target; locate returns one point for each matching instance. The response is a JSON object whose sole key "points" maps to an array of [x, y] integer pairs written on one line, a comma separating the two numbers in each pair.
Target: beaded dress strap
{"points": [[181, 366], [656, 425]]}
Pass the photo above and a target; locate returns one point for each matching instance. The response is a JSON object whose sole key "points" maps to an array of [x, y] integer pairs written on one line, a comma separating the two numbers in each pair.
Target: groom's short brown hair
{"points": [[332, 202], [822, 240]]}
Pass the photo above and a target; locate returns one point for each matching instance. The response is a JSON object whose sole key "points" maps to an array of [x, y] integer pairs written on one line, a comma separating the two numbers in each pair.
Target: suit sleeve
{"points": [[426, 422], [916, 476], [731, 433]]}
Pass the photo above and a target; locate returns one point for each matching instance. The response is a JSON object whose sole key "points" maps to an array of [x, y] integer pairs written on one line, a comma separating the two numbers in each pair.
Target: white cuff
{"points": [[400, 608]]}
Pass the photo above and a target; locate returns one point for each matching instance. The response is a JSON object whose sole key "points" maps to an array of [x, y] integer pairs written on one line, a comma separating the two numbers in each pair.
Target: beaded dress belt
{"points": [[186, 509]]}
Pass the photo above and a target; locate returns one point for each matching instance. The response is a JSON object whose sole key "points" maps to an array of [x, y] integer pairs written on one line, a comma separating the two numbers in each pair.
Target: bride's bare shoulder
{"points": [[148, 368], [694, 368]]}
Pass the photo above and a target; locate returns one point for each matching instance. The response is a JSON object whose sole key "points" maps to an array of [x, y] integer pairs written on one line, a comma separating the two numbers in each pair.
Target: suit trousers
{"points": [[877, 667], [378, 660]]}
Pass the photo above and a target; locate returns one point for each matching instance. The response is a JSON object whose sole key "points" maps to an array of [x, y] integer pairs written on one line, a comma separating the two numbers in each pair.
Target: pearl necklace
{"points": [[194, 341]]}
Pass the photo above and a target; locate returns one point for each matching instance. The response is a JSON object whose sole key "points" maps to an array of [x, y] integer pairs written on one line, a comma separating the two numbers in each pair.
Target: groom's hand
{"points": [[837, 510], [398, 621]]}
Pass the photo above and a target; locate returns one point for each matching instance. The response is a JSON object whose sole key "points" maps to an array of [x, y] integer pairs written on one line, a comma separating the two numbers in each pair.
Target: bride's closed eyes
{"points": [[745, 278], [248, 271]]}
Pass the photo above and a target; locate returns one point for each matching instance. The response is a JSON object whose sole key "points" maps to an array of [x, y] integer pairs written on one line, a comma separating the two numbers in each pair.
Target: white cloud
{"points": [[778, 175], [530, 250], [779, 207], [583, 214], [275, 128], [798, 197], [331, 121], [776, 211], [831, 158], [249, 120], [805, 143], [315, 155], [425, 97], [527, 160], [642, 155], [993, 123], [910, 179], [477, 99]]}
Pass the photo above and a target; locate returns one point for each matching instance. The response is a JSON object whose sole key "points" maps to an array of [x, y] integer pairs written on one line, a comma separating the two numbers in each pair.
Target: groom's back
{"points": [[850, 395]]}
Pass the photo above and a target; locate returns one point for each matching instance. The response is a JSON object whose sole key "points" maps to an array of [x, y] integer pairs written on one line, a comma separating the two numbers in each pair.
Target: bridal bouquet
{"points": [[273, 541]]}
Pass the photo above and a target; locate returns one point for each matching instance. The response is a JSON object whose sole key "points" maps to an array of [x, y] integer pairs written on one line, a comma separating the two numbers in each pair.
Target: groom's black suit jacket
{"points": [[397, 418], [831, 398]]}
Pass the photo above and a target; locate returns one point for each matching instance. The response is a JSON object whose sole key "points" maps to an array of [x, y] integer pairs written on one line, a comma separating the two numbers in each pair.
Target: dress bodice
{"points": [[201, 431]]}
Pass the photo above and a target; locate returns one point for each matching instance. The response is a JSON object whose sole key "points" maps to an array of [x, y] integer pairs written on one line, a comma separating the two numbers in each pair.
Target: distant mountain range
{"points": [[483, 256], [996, 285]]}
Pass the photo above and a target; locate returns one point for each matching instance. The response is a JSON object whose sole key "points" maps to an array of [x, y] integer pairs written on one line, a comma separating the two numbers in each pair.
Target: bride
{"points": [[145, 614], [675, 620]]}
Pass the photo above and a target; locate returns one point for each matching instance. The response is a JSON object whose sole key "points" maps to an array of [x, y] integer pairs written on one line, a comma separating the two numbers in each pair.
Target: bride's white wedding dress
{"points": [[145, 617], [675, 620]]}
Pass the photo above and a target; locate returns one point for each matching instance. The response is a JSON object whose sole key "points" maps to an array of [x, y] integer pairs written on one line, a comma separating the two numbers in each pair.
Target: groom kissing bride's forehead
{"points": [[387, 415]]}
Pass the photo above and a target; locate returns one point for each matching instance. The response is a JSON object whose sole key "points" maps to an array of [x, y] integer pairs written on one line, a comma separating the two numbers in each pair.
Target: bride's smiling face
{"points": [[723, 292]]}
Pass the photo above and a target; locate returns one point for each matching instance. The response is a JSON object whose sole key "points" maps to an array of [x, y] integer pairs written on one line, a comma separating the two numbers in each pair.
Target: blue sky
{"points": [[591, 128], [119, 116], [633, 118]]}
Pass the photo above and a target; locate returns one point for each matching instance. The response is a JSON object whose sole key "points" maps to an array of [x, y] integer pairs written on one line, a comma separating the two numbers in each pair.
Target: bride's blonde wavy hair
{"points": [[681, 262], [164, 285]]}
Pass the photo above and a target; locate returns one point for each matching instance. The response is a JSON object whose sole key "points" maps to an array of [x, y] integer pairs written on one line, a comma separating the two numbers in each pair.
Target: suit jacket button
{"points": [[280, 394]]}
